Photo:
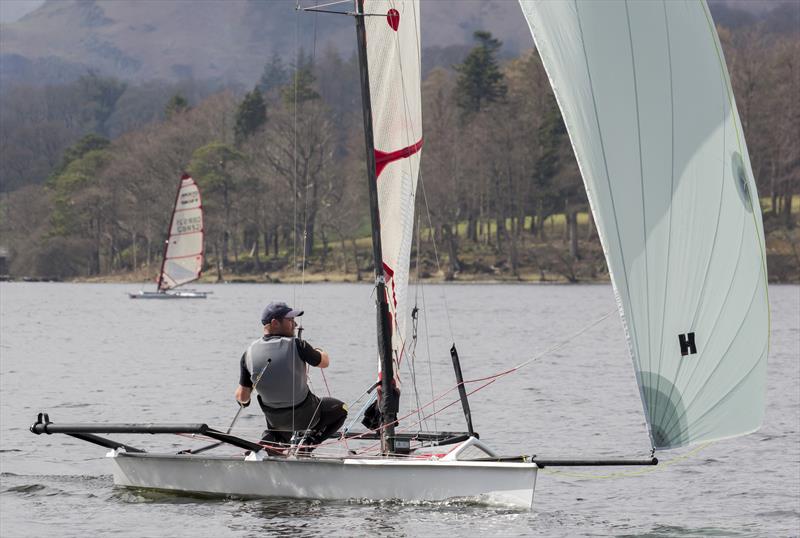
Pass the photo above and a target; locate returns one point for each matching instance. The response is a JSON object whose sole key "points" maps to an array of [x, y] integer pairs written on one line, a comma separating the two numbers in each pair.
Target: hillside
{"points": [[225, 41], [229, 42]]}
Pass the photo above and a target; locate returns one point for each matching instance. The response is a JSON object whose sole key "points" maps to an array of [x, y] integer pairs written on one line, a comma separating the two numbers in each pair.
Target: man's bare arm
{"points": [[325, 361], [243, 394]]}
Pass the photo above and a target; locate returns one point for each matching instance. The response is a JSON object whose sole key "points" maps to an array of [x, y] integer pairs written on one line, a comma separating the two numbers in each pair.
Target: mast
{"points": [[169, 231], [389, 401]]}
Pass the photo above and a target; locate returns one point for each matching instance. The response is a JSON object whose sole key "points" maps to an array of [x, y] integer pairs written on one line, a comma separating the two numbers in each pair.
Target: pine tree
{"points": [[251, 114], [480, 80], [301, 86], [275, 75], [89, 142], [176, 105]]}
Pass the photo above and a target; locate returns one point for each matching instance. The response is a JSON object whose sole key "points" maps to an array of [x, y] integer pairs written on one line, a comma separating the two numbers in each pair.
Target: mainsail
{"points": [[393, 55], [647, 101], [183, 251]]}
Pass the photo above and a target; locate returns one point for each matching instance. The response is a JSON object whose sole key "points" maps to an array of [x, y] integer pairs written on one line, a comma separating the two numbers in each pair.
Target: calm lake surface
{"points": [[86, 353]]}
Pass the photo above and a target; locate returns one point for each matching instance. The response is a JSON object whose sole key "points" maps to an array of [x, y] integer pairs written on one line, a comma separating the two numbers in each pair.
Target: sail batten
{"points": [[183, 252], [647, 102]]}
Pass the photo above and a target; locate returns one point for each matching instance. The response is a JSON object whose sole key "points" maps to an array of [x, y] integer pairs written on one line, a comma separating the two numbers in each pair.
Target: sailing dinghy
{"points": [[183, 250], [646, 97]]}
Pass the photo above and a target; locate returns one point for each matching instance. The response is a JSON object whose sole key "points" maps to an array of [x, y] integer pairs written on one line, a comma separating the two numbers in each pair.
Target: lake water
{"points": [[86, 353]]}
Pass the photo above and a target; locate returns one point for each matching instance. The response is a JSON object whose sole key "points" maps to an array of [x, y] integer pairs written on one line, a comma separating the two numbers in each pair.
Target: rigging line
{"points": [[408, 428], [494, 377], [294, 154], [412, 351], [415, 323], [421, 290], [454, 402], [436, 256], [325, 380], [294, 180], [317, 6], [428, 352], [305, 176], [554, 347], [491, 379]]}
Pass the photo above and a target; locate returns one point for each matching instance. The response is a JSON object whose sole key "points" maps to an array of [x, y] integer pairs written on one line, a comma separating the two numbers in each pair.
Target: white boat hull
{"points": [[184, 294], [330, 479]]}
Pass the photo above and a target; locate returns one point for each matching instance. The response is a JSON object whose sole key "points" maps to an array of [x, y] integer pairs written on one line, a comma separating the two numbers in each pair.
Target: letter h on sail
{"points": [[687, 344]]}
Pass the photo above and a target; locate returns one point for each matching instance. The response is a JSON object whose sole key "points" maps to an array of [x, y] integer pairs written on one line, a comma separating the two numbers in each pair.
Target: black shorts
{"points": [[303, 416], [324, 415]]}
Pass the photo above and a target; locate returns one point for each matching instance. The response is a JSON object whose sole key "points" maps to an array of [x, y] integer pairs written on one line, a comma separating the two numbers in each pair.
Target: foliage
{"points": [[80, 175], [90, 142], [210, 165], [101, 94], [275, 75], [251, 114], [301, 86], [176, 105], [500, 192], [480, 80]]}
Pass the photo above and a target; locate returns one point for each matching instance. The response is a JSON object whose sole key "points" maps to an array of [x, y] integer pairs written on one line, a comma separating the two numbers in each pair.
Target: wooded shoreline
{"points": [[281, 171]]}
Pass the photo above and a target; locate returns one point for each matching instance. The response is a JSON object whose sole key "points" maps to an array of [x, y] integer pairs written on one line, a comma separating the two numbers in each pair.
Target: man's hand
{"points": [[243, 404]]}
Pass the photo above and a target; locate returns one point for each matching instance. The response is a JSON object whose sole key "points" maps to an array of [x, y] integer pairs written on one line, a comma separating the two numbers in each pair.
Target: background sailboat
{"points": [[183, 250]]}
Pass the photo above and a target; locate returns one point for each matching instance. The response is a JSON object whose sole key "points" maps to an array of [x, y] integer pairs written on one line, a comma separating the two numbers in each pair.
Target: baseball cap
{"points": [[278, 310]]}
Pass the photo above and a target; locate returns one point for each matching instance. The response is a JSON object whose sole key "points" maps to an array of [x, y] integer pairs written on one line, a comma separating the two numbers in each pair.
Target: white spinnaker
{"points": [[393, 56], [646, 97], [183, 256]]}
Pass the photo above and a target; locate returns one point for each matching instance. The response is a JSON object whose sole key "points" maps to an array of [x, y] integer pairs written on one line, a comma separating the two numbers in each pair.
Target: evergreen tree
{"points": [[101, 95], [89, 142], [480, 80], [176, 105], [301, 86], [251, 114], [275, 75]]}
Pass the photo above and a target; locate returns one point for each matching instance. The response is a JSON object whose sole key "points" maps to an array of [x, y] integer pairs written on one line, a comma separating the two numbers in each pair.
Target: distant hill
{"points": [[225, 41], [229, 42]]}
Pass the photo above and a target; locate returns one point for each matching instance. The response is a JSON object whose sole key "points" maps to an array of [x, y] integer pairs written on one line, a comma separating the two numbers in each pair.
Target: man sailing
{"points": [[275, 365]]}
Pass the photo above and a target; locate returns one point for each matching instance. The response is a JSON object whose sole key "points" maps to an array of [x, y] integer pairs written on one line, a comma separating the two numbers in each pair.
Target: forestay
{"points": [[183, 252], [393, 55], [647, 101]]}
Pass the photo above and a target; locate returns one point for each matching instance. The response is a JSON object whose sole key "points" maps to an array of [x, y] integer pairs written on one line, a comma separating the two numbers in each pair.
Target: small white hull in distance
{"points": [[377, 478], [183, 294]]}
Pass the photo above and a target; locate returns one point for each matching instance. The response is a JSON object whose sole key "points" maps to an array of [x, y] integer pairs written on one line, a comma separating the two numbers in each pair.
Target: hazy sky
{"points": [[12, 10]]}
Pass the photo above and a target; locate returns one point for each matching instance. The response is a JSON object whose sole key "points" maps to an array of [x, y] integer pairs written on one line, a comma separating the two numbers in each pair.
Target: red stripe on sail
{"points": [[383, 158]]}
